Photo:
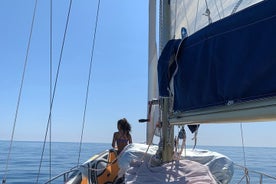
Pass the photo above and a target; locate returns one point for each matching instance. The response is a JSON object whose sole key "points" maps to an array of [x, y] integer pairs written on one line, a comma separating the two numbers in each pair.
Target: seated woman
{"points": [[122, 137]]}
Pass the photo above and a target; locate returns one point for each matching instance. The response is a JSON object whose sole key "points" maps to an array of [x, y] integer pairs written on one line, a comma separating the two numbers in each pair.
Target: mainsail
{"points": [[227, 60], [197, 14]]}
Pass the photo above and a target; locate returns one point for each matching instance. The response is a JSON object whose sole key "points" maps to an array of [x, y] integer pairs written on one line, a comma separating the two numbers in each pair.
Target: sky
{"points": [[118, 86]]}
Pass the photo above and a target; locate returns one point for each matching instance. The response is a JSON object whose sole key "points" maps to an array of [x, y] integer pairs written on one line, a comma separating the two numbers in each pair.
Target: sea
{"points": [[25, 165]]}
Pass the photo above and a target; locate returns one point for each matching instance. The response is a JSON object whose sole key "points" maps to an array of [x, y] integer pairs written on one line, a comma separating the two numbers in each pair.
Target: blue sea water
{"points": [[25, 158]]}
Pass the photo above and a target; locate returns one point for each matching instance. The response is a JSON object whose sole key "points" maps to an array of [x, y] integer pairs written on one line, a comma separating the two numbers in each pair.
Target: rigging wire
{"points": [[196, 15], [185, 11], [221, 5], [54, 89], [217, 9], [236, 6], [175, 18], [20, 92], [244, 157], [242, 139], [89, 77], [50, 90]]}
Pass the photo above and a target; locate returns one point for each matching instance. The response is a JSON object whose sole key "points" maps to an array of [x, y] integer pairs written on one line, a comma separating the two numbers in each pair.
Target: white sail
{"points": [[196, 14]]}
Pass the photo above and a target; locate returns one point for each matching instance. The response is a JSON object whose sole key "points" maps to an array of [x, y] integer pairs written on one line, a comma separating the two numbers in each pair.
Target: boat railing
{"points": [[65, 175], [244, 177], [247, 172]]}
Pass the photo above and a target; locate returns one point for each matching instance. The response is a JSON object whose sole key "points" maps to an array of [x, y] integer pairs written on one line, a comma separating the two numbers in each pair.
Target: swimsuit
{"points": [[122, 139]]}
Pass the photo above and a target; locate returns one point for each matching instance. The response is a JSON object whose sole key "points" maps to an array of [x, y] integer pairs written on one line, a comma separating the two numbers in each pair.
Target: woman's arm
{"points": [[114, 140], [129, 139]]}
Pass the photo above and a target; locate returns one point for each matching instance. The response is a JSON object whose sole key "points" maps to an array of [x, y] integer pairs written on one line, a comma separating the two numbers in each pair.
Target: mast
{"points": [[164, 102], [164, 24], [152, 68]]}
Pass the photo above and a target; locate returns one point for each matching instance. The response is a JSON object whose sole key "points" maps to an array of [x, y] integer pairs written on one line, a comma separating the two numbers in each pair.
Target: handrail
{"points": [[244, 176], [247, 171], [77, 167], [64, 174]]}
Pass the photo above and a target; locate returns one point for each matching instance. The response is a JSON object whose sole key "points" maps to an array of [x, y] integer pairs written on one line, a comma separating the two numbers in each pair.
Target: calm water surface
{"points": [[25, 160]]}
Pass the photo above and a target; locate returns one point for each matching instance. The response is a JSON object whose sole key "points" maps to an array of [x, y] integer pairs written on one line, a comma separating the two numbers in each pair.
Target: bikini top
{"points": [[122, 139]]}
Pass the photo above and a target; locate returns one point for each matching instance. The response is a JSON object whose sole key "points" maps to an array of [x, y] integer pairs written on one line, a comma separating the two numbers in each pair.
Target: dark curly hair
{"points": [[124, 125]]}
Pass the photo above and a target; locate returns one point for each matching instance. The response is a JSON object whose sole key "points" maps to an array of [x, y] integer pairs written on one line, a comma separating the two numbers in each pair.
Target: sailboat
{"points": [[210, 70], [201, 77]]}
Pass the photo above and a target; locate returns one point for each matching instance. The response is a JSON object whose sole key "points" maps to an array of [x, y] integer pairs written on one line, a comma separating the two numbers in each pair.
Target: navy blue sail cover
{"points": [[233, 59]]}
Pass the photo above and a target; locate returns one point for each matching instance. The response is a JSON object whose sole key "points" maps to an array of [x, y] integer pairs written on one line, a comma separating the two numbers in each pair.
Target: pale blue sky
{"points": [[119, 74]]}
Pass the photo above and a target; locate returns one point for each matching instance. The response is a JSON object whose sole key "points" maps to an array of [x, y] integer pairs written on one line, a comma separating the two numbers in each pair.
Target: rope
{"points": [[54, 90], [20, 92], [208, 13], [195, 138], [181, 135], [151, 140], [183, 145], [89, 78]]}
